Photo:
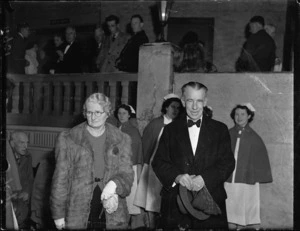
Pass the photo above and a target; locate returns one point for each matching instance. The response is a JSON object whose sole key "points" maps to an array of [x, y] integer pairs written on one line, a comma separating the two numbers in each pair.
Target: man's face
{"points": [[99, 35], [113, 27], [25, 32], [254, 27], [136, 25], [57, 41], [70, 35], [194, 101], [20, 143], [94, 121]]}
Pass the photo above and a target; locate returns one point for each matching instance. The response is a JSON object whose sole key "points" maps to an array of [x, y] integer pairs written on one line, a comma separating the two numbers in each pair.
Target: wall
{"points": [[230, 17], [272, 97]]}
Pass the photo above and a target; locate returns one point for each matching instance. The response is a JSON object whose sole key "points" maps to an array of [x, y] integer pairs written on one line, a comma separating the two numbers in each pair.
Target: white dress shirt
{"points": [[194, 132], [67, 47]]}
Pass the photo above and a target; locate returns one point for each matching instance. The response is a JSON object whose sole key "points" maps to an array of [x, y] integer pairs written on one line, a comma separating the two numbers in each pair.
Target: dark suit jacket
{"points": [[258, 53], [213, 160], [129, 57], [16, 61], [72, 60]]}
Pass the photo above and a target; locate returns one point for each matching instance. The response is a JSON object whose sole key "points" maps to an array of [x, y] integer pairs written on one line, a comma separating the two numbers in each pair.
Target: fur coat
{"points": [[72, 183]]}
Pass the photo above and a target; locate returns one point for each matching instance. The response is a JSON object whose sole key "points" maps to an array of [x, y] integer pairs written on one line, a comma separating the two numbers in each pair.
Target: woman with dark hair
{"points": [[31, 57], [252, 168], [123, 114], [149, 187], [193, 59]]}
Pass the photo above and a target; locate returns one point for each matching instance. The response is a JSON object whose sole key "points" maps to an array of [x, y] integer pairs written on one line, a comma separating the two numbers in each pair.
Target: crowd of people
{"points": [[115, 50], [186, 170]]}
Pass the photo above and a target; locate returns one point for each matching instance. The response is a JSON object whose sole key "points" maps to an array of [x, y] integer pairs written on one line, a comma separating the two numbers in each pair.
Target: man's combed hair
{"points": [[101, 99], [112, 18], [137, 16], [195, 85], [22, 25]]}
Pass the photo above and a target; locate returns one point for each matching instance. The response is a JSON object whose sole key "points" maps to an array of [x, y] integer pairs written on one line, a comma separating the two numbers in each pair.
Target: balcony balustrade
{"points": [[52, 100]]}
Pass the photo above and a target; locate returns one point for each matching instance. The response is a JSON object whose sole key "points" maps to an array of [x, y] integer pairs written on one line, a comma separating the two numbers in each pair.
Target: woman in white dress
{"points": [[252, 168]]}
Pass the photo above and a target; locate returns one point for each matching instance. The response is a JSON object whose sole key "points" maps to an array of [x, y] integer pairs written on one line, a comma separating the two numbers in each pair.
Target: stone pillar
{"points": [[155, 80]]}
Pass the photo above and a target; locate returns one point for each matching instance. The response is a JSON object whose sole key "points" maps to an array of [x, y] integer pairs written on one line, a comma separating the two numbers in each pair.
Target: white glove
{"points": [[111, 204], [60, 223], [197, 183], [109, 190]]}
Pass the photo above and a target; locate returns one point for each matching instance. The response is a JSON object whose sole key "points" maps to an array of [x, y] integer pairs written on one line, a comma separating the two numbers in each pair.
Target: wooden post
{"points": [[15, 98], [125, 90], [26, 98], [58, 97], [47, 98], [37, 97], [67, 98], [112, 92], [78, 98]]}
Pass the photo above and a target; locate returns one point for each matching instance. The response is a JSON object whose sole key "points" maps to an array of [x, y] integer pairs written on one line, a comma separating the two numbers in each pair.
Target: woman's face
{"points": [[123, 115], [172, 110], [241, 117], [95, 115]]}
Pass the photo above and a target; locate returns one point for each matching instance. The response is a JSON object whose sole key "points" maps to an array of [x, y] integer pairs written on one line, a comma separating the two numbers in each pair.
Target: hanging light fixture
{"points": [[164, 8]]}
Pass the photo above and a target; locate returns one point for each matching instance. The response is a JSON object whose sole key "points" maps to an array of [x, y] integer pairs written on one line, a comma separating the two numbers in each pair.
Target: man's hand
{"points": [[109, 190], [185, 180], [197, 183], [60, 54], [60, 223], [24, 196]]}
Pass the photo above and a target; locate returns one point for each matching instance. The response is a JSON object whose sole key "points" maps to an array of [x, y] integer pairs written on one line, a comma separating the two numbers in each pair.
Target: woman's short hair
{"points": [[167, 103], [125, 107], [249, 112], [101, 99]]}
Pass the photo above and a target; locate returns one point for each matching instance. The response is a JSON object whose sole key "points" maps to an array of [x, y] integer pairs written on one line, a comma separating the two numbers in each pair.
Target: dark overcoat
{"points": [[213, 160]]}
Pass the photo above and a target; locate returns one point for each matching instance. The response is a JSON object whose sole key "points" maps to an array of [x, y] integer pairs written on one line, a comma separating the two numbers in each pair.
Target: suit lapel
{"points": [[203, 140], [183, 139]]}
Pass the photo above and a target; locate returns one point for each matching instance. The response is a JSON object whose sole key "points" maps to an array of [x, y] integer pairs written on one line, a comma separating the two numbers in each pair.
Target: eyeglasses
{"points": [[96, 113]]}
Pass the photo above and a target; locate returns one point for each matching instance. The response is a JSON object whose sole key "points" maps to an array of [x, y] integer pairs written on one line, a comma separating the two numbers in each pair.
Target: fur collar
{"points": [[79, 134]]}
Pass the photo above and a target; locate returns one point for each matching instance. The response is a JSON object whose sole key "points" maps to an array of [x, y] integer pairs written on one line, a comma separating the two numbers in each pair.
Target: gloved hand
{"points": [[60, 223], [109, 190], [197, 183], [185, 180], [111, 204]]}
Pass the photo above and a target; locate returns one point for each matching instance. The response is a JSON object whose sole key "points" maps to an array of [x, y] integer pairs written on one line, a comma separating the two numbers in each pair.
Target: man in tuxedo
{"points": [[16, 61], [194, 152], [71, 59]]}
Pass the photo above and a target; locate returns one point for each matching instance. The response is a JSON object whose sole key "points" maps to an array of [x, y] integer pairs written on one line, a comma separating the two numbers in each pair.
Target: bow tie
{"points": [[191, 123]]}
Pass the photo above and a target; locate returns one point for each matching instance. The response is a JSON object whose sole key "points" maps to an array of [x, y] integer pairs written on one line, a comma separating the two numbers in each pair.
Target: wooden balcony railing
{"points": [[49, 98]]}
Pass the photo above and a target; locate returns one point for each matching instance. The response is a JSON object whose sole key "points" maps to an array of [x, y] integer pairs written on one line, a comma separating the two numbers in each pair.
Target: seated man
{"points": [[21, 200]]}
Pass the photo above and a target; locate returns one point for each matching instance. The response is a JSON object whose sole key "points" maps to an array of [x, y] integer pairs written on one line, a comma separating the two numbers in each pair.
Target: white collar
{"points": [[167, 120]]}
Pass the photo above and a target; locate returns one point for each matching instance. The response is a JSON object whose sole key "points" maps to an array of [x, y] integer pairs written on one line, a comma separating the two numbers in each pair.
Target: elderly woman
{"points": [[124, 113], [93, 168], [149, 187], [252, 168]]}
